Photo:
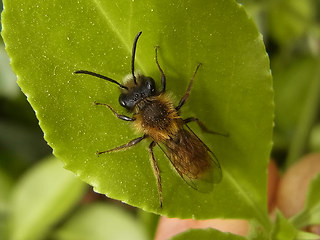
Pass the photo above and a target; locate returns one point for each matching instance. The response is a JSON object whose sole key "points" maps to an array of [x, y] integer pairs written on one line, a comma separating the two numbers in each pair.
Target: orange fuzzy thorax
{"points": [[157, 117]]}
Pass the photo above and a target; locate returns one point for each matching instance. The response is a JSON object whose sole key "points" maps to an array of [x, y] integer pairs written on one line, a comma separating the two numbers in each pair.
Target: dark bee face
{"points": [[145, 88]]}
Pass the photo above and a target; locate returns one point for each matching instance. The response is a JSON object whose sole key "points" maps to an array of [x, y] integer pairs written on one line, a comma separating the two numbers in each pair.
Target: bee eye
{"points": [[122, 103], [150, 84]]}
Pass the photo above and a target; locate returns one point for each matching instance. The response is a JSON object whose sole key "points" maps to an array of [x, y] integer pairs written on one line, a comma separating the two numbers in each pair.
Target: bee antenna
{"points": [[133, 56], [100, 76]]}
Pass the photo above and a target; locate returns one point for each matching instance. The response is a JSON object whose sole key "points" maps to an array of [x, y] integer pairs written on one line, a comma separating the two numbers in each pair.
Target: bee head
{"points": [[135, 89], [144, 88]]}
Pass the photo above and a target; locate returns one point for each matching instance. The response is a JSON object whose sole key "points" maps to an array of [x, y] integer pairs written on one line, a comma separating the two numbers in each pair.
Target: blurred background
{"points": [[291, 31]]}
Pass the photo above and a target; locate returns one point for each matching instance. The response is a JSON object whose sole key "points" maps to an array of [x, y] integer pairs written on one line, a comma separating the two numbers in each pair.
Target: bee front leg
{"points": [[163, 77], [156, 170], [203, 127], [127, 145], [122, 117]]}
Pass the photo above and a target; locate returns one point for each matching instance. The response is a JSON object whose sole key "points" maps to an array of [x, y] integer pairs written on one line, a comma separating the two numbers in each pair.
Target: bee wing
{"points": [[193, 160], [216, 168]]}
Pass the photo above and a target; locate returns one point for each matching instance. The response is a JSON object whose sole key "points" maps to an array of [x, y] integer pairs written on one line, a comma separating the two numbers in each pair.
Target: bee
{"points": [[156, 117]]}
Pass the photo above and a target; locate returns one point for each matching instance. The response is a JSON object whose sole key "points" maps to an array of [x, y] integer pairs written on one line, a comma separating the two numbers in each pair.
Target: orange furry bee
{"points": [[155, 115]]}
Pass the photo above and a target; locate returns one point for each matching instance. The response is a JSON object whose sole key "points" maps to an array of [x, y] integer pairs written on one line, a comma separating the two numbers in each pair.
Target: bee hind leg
{"points": [[203, 127], [156, 170]]}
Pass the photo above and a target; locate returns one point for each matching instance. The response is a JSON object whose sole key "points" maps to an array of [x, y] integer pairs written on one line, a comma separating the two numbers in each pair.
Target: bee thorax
{"points": [[157, 118]]}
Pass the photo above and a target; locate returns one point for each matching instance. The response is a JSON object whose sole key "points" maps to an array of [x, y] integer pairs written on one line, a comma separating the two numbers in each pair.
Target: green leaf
{"points": [[41, 198], [206, 234], [256, 233], [283, 229], [232, 93], [310, 215], [301, 235], [101, 222]]}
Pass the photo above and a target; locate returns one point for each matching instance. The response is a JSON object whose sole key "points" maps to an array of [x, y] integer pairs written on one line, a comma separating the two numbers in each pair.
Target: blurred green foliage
{"points": [[291, 31]]}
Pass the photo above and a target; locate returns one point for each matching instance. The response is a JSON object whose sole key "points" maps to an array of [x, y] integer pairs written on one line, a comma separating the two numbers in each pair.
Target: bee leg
{"points": [[156, 171], [127, 145], [122, 117], [163, 77], [203, 127], [186, 95]]}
